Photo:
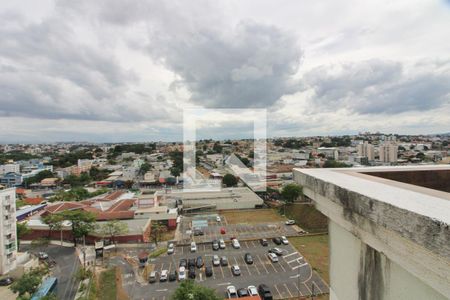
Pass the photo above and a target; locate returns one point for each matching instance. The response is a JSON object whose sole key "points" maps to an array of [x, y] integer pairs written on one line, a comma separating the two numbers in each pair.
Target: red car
{"points": [[222, 230]]}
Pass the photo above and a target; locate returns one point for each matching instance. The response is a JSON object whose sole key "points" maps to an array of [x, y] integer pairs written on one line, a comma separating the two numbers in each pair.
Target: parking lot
{"points": [[211, 229], [291, 277]]}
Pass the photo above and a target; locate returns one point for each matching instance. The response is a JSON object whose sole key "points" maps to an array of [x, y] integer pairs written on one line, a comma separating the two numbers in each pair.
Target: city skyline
{"points": [[125, 70]]}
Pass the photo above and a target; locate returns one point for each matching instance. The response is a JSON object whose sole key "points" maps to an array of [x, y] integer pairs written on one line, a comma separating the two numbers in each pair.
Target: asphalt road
{"points": [[290, 277], [66, 267]]}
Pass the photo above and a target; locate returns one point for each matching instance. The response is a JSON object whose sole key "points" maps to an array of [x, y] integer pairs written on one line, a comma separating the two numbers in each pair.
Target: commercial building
{"points": [[8, 168], [8, 234], [331, 152], [389, 230]]}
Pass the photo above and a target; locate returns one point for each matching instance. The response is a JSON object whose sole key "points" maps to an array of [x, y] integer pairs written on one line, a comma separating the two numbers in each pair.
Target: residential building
{"points": [[8, 234], [388, 152], [331, 152], [9, 168], [367, 150], [11, 179]]}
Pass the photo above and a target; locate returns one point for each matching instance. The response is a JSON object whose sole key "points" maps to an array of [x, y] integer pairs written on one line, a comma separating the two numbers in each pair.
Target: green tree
{"points": [[145, 168], [229, 180], [113, 228], [156, 232], [82, 222], [188, 289], [29, 282], [22, 230], [54, 222], [175, 171], [291, 192]]}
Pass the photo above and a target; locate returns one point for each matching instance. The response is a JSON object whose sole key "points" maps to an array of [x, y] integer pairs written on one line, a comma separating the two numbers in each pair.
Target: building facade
{"points": [[8, 168], [367, 150], [388, 153], [8, 232]]}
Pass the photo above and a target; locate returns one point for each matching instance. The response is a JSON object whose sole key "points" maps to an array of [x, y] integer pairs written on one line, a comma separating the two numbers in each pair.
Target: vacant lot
{"points": [[107, 285], [251, 217], [307, 217], [316, 251]]}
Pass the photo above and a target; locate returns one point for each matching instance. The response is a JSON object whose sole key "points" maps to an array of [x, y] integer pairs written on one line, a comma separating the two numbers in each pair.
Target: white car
{"points": [[284, 240], [273, 257], [216, 260], [221, 244], [231, 292], [290, 222], [182, 273], [193, 247], [170, 249], [218, 219], [252, 290], [235, 244], [163, 276]]}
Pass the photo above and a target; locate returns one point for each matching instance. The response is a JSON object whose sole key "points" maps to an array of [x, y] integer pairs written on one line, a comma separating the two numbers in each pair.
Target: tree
{"points": [[29, 282], [188, 289], [144, 168], [113, 228], [54, 222], [82, 222], [291, 192], [156, 232], [175, 171], [22, 230], [229, 180]]}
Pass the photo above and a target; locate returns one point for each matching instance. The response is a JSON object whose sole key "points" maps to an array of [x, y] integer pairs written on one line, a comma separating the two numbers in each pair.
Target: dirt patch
{"points": [[251, 216], [316, 251]]}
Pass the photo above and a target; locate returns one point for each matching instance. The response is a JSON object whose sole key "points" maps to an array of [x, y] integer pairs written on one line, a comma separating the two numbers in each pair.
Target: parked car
{"points": [[208, 271], [42, 255], [222, 244], [6, 281], [183, 262], [191, 273], [277, 251], [248, 258], [223, 261], [164, 275], [252, 290], [222, 230], [218, 219], [243, 292], [198, 232], [182, 273], [170, 249], [215, 245], [264, 292], [191, 262], [231, 292], [173, 275], [235, 270], [290, 222], [273, 257], [264, 242], [216, 261], [277, 240], [193, 247], [199, 263], [284, 240], [235, 244], [153, 277]]}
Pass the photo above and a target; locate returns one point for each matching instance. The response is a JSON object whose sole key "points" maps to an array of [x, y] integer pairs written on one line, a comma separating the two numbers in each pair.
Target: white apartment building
{"points": [[7, 168], [388, 152], [8, 234], [367, 150]]}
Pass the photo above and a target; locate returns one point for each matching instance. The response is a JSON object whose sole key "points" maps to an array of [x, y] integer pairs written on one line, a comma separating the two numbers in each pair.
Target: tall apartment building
{"points": [[367, 150], [388, 152], [8, 232]]}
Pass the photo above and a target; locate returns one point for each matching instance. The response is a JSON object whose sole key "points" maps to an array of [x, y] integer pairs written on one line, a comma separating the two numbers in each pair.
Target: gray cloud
{"points": [[377, 86]]}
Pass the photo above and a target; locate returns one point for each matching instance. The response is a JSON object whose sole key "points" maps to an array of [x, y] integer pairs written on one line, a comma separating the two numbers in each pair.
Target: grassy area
{"points": [[252, 217], [316, 251], [168, 235], [158, 252], [307, 217], [107, 289]]}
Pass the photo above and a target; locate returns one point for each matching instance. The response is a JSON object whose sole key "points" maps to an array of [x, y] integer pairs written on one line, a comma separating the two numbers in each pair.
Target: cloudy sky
{"points": [[124, 70]]}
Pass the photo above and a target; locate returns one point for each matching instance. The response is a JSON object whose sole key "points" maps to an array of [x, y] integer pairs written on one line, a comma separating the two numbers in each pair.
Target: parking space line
{"points": [[162, 266], [281, 265], [290, 294], [278, 291], [257, 270], [307, 288], [248, 269], [317, 286], [298, 289], [221, 270], [259, 258], [290, 254], [272, 264], [299, 266]]}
